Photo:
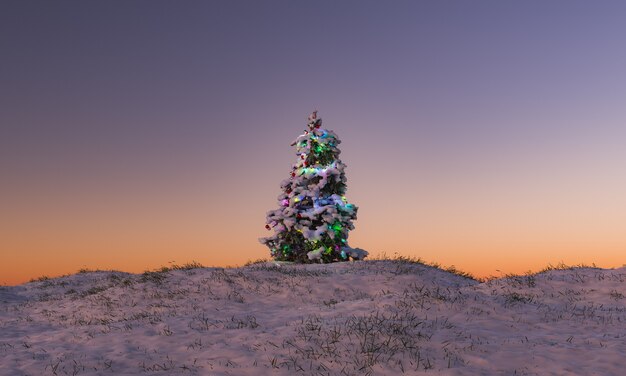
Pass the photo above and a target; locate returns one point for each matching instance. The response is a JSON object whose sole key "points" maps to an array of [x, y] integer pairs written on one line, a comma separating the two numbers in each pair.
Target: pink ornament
{"points": [[285, 202]]}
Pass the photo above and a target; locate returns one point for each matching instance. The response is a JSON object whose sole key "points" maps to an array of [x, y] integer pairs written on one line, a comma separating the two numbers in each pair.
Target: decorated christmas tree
{"points": [[314, 216]]}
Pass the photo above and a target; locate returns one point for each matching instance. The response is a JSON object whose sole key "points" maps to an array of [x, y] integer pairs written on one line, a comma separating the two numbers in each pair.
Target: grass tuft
{"points": [[418, 260], [186, 266], [562, 266], [255, 262], [43, 278]]}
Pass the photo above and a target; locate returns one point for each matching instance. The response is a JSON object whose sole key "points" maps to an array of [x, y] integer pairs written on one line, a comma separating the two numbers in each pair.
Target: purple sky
{"points": [[462, 122]]}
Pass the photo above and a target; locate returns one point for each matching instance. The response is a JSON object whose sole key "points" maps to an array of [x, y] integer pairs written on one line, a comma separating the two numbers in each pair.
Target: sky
{"points": [[488, 135]]}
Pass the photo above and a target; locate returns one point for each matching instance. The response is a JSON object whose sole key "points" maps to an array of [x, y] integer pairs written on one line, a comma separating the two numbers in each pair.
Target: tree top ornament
{"points": [[314, 122]]}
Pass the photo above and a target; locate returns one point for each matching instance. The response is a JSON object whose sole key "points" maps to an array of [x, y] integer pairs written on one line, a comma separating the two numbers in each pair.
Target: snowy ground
{"points": [[372, 317]]}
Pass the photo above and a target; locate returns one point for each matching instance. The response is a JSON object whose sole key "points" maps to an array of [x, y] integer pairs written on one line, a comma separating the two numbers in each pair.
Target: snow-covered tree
{"points": [[314, 216]]}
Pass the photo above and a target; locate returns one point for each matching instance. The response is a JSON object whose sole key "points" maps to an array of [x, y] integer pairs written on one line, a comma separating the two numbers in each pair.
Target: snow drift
{"points": [[370, 317]]}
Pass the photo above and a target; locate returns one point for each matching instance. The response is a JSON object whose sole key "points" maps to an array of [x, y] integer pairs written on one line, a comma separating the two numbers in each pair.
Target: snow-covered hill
{"points": [[371, 317]]}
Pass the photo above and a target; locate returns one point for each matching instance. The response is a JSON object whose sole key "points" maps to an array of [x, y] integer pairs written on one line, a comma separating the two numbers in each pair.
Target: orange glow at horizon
{"points": [[509, 228]]}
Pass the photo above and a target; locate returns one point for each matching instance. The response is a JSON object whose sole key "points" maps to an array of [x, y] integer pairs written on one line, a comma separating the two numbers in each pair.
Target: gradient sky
{"points": [[488, 135]]}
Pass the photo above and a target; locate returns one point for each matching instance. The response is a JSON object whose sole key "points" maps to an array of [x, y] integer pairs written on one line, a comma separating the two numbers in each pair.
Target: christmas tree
{"points": [[314, 216]]}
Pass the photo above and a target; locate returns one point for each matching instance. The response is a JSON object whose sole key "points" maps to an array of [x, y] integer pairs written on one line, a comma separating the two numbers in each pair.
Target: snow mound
{"points": [[352, 318]]}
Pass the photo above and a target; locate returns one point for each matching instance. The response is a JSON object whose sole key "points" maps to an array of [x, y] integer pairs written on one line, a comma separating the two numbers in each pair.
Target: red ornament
{"points": [[299, 216], [288, 190], [268, 227], [293, 174]]}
